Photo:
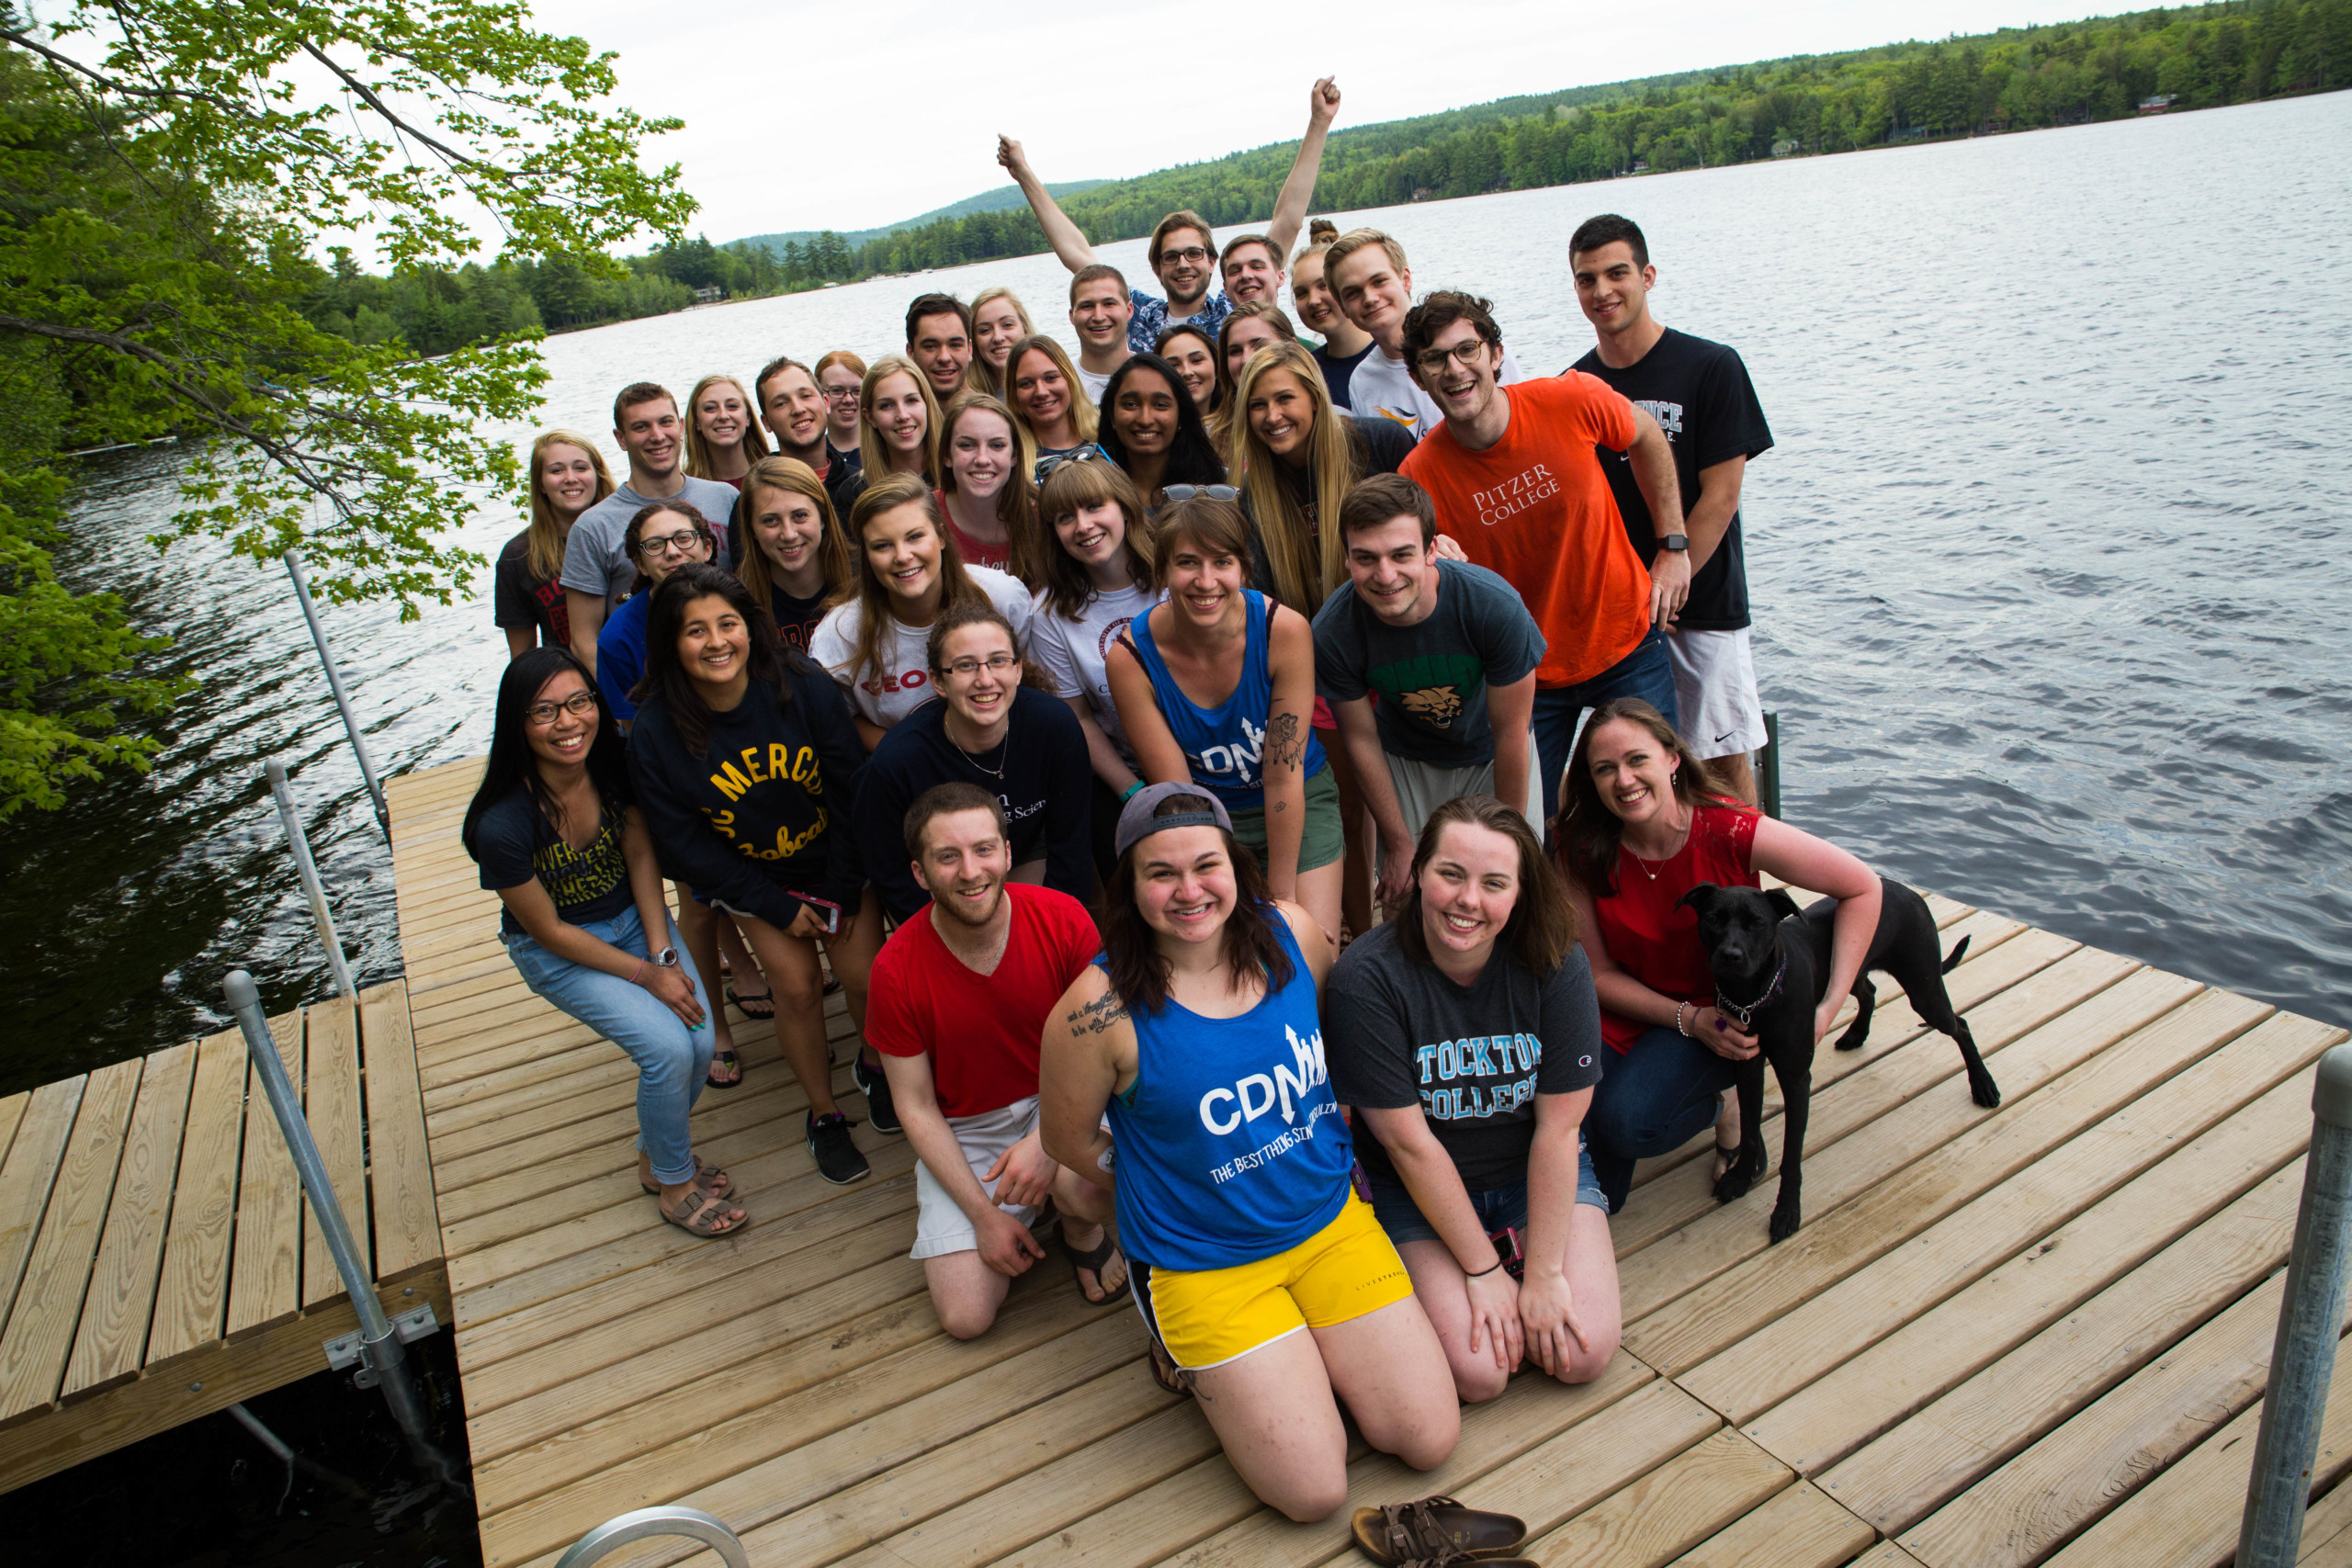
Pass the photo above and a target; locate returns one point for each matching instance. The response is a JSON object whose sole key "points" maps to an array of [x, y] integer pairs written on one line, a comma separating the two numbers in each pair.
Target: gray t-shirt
{"points": [[594, 560], [1431, 678], [1398, 1034]]}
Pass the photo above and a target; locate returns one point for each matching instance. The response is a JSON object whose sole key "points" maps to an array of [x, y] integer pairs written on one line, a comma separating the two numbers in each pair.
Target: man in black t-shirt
{"points": [[1700, 394]]}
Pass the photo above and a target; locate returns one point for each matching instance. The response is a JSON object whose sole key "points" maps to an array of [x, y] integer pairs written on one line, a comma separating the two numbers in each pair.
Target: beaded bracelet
{"points": [[1679, 1028]]}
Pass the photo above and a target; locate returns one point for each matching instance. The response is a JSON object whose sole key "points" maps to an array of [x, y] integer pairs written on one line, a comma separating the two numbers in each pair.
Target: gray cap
{"points": [[1136, 821]]}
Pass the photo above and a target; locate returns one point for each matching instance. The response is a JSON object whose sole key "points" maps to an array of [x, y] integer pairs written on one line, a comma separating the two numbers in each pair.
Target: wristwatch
{"points": [[1675, 542], [665, 959]]}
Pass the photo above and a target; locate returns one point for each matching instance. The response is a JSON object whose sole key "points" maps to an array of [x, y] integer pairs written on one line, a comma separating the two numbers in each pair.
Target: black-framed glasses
{"points": [[1075, 455], [1193, 254], [1433, 360], [683, 540], [995, 664], [835, 394], [1214, 492], [579, 705]]}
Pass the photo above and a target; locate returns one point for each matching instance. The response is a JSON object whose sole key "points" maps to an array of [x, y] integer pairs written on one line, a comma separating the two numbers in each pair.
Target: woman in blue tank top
{"points": [[1265, 1283], [1216, 685]]}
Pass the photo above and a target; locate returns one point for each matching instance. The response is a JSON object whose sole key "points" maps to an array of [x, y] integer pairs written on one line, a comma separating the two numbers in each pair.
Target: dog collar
{"points": [[1741, 1015]]}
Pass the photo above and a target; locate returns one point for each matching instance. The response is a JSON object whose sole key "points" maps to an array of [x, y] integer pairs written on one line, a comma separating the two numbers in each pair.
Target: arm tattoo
{"points": [[1105, 1012], [1285, 741]]}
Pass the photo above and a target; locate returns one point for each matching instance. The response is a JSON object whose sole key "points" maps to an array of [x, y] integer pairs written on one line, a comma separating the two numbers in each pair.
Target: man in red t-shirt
{"points": [[958, 1007], [1520, 487]]}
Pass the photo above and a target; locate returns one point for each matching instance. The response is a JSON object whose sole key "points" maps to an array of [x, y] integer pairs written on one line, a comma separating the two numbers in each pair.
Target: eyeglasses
{"points": [[579, 705], [1076, 455], [995, 664], [1214, 492], [1193, 254], [681, 542], [835, 394], [1467, 351]]}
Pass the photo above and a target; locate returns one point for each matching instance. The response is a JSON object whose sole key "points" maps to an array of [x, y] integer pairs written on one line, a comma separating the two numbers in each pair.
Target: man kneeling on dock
{"points": [[959, 998]]}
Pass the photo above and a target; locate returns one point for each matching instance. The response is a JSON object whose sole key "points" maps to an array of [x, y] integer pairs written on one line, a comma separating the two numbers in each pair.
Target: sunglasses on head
{"points": [[1076, 455], [1214, 492]]}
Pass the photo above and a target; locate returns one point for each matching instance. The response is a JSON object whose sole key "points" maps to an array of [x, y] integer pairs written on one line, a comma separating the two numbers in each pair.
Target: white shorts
{"points": [[1422, 787], [1714, 690], [940, 1224]]}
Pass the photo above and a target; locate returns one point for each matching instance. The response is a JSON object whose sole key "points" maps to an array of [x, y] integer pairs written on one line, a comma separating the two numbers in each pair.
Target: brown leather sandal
{"points": [[709, 1178], [700, 1215], [1437, 1531]]}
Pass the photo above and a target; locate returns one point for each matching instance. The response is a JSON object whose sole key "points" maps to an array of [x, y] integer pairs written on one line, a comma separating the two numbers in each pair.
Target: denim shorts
{"points": [[1498, 1207]]}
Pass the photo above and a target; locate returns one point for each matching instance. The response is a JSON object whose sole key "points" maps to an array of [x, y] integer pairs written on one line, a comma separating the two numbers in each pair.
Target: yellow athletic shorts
{"points": [[1208, 1318]]}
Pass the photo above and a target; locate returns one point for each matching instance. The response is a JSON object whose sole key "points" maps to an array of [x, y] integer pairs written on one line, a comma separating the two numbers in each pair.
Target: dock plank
{"points": [[112, 1342], [1656, 1519], [331, 1105], [402, 1201], [1797, 1528], [192, 1297], [265, 1263], [39, 1336], [28, 1175]]}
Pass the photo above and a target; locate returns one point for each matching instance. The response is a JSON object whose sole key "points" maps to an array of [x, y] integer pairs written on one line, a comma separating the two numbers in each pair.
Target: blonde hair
{"points": [[980, 375], [871, 452], [1353, 240], [797, 477], [888, 492], [546, 530], [1082, 412], [1306, 558], [1016, 503], [1067, 491], [699, 453]]}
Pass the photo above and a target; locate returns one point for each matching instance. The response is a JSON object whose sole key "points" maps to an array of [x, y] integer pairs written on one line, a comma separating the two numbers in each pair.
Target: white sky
{"points": [[859, 113]]}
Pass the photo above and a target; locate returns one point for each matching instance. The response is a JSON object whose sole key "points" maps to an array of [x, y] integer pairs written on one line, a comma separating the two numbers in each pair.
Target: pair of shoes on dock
{"points": [[1437, 1532]]}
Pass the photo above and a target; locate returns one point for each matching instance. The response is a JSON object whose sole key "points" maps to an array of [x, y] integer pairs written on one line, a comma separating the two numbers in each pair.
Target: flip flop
{"points": [[1436, 1529], [1092, 1261], [725, 1058], [751, 1005], [1166, 1374]]}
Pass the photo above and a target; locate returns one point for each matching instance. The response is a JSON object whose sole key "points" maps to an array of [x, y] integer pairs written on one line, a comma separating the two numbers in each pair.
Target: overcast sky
{"points": [[858, 114]]}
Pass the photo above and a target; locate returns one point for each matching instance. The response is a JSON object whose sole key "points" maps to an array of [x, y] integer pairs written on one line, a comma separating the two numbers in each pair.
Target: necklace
{"points": [[1662, 863], [996, 772]]}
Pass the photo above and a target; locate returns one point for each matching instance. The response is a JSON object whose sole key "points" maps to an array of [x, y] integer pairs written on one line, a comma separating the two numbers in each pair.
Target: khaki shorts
{"points": [[1422, 787], [940, 1224]]}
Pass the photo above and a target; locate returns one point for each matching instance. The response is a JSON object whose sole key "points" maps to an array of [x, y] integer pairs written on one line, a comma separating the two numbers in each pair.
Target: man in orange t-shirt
{"points": [[1518, 487]]}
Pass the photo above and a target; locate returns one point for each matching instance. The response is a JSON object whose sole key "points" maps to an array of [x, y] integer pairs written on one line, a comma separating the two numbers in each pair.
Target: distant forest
{"points": [[2016, 79]]}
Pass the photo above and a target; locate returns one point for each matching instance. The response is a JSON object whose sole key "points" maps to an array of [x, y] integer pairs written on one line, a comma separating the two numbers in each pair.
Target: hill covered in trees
{"points": [[2016, 79]]}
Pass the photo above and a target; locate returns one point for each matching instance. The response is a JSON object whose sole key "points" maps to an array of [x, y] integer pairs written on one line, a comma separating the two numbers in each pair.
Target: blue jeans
{"points": [[671, 1060], [1651, 1100], [1497, 1208], [1645, 673]]}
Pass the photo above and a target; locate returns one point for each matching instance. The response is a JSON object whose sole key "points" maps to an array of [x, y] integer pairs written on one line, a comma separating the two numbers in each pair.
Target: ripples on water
{"points": [[2048, 564]]}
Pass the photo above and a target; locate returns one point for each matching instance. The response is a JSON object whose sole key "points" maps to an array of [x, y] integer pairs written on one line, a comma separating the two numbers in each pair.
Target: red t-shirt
{"points": [[1652, 940], [981, 1032], [1536, 508], [974, 552]]}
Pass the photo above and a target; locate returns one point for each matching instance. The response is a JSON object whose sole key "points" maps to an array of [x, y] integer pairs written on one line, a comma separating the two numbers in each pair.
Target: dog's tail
{"points": [[1953, 961]]}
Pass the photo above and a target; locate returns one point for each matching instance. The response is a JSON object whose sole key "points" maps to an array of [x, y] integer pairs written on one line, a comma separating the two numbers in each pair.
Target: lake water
{"points": [[2048, 564]]}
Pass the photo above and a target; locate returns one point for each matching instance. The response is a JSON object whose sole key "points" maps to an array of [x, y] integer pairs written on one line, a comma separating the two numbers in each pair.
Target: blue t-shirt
{"points": [[1223, 745], [620, 655], [1150, 319], [1230, 1145]]}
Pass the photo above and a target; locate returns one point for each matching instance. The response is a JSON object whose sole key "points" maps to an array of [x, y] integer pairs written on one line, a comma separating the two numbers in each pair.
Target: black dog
{"points": [[1772, 965]]}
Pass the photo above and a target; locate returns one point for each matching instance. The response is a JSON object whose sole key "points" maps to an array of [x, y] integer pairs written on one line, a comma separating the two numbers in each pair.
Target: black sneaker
{"points": [[880, 1115], [838, 1160]]}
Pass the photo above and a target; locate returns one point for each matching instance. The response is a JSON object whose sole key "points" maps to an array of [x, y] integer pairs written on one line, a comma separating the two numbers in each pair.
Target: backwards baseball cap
{"points": [[1137, 822]]}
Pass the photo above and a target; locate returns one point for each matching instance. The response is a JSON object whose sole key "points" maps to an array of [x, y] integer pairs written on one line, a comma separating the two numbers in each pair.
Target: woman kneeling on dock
{"points": [[1197, 1031], [1643, 822], [556, 836], [1465, 1036]]}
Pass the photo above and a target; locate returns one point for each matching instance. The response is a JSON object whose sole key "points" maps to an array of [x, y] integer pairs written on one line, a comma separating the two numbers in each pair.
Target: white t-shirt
{"points": [[902, 685], [1382, 388], [1094, 384], [1072, 653]]}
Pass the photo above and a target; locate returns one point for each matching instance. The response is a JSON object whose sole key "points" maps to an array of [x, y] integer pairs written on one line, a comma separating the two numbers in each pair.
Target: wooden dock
{"points": [[2032, 1335], [158, 1260]]}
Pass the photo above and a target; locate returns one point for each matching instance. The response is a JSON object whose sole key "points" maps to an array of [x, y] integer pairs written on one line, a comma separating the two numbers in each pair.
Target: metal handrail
{"points": [[295, 569], [2302, 1358], [669, 1519], [312, 888], [380, 1350]]}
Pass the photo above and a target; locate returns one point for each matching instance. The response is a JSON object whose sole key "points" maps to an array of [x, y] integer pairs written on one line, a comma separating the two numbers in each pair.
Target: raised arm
{"points": [[1298, 189], [1070, 241]]}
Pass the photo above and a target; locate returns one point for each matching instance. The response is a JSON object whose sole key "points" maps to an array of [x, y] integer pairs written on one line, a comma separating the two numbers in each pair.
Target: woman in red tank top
{"points": [[1643, 822]]}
